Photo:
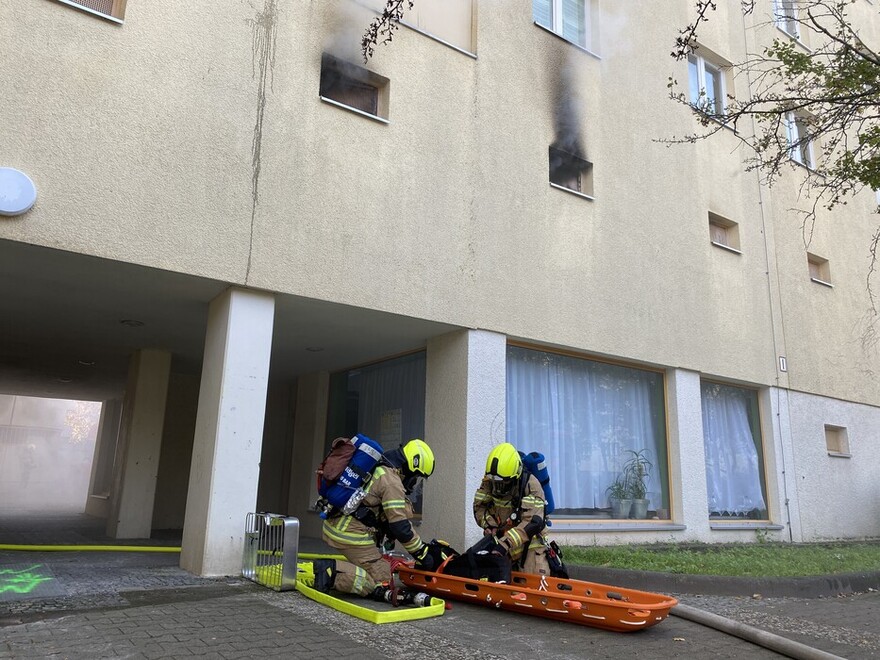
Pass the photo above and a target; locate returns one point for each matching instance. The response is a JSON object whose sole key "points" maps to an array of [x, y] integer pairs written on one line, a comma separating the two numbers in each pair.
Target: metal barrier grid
{"points": [[271, 547]]}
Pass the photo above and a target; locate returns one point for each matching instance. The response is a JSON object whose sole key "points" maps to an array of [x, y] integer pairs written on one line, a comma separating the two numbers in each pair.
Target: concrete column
{"points": [[687, 459], [229, 431], [309, 447], [465, 414], [140, 440], [98, 498]]}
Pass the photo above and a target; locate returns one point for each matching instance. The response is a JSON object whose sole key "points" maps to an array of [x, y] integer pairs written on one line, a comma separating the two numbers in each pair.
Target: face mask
{"points": [[501, 487], [413, 484]]}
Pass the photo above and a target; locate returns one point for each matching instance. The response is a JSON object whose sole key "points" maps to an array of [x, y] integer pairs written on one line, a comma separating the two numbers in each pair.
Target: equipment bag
{"points": [[344, 471], [534, 463], [480, 563]]}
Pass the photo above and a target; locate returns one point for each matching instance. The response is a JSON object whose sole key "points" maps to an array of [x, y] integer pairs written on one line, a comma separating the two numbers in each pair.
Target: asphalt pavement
{"points": [[142, 605]]}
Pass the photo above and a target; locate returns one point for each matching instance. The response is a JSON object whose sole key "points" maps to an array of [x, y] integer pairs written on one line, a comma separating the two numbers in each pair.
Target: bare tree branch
{"points": [[384, 26]]}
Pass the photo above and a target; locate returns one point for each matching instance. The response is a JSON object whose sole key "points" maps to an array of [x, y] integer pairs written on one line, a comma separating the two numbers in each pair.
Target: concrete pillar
{"points": [[309, 447], [229, 431], [465, 415], [98, 498], [687, 458], [140, 440]]}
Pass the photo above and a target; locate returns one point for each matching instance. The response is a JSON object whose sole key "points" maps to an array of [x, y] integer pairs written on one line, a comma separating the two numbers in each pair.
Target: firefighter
{"points": [[385, 511], [509, 506]]}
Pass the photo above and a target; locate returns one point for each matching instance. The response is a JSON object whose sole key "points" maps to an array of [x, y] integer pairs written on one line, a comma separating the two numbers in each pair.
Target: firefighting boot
{"points": [[325, 574]]}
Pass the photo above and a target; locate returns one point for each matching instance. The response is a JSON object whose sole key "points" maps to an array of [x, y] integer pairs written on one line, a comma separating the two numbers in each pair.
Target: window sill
{"points": [[381, 120], [725, 247], [86, 10], [610, 526], [808, 168], [739, 525], [794, 37], [568, 41], [439, 40], [839, 454], [573, 192], [822, 282], [713, 119]]}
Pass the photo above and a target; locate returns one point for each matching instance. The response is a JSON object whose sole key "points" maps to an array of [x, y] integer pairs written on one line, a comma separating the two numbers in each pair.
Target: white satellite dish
{"points": [[17, 192]]}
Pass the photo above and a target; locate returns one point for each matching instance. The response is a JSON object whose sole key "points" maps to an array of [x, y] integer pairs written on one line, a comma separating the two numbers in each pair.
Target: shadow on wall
{"points": [[46, 450]]}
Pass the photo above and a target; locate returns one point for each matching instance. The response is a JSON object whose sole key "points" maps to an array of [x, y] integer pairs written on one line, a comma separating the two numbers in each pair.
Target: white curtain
{"points": [[391, 399], [732, 443], [583, 416]]}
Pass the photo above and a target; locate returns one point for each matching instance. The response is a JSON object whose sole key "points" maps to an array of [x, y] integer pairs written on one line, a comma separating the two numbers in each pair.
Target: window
{"points": [[450, 22], [570, 19], [734, 452], [588, 418], [353, 87], [707, 84], [571, 172], [385, 401], [723, 233], [799, 141], [785, 13], [109, 8], [820, 269], [836, 441]]}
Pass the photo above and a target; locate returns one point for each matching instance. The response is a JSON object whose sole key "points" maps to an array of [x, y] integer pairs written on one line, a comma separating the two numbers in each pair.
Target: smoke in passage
{"points": [[46, 450]]}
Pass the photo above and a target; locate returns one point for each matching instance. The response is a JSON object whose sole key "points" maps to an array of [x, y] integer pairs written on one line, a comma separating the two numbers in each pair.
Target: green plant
{"points": [[636, 470], [619, 489]]}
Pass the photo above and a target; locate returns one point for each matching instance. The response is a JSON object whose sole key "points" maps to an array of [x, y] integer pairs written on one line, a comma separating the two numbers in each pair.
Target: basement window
{"points": [[820, 270], [111, 9], [724, 233], [571, 172], [837, 441], [353, 87]]}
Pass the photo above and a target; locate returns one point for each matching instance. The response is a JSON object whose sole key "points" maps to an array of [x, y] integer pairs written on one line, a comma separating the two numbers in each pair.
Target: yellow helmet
{"points": [[504, 462], [419, 458]]}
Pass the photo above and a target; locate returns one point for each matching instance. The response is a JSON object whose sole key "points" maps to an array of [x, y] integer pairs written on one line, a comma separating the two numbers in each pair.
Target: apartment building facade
{"points": [[247, 241]]}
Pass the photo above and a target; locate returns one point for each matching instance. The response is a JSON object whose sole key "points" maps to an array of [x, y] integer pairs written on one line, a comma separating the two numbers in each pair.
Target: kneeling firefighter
{"points": [[509, 505], [385, 511]]}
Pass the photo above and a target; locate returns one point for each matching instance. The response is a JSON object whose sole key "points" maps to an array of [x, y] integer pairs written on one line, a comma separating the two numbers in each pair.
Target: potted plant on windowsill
{"points": [[637, 470], [618, 495]]}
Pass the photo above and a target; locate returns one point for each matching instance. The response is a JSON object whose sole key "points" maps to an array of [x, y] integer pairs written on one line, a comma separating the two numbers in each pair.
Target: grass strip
{"points": [[734, 559]]}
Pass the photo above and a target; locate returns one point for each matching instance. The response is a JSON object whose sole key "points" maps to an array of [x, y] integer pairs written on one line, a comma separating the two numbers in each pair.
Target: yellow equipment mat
{"points": [[305, 579]]}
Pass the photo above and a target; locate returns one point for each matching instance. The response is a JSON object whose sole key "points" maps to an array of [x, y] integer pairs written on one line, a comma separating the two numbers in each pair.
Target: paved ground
{"points": [[141, 605]]}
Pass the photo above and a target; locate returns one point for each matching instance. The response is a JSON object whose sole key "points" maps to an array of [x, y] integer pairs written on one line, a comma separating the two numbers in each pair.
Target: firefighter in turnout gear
{"points": [[509, 506], [385, 511]]}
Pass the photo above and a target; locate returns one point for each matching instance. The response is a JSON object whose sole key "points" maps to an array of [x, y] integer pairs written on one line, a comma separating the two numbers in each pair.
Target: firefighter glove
{"points": [[424, 558]]}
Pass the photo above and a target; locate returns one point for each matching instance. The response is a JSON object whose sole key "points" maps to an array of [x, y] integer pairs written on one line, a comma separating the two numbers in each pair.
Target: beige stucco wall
{"points": [[141, 140], [443, 213]]}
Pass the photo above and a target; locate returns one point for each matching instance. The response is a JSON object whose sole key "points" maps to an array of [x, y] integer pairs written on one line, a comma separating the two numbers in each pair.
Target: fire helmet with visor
{"points": [[503, 466]]}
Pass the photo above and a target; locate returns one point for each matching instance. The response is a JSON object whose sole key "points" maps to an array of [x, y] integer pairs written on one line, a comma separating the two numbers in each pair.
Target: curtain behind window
{"points": [[732, 443], [583, 416]]}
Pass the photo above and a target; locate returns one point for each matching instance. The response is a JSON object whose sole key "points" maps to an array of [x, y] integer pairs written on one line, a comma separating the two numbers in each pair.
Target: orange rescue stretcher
{"points": [[574, 601]]}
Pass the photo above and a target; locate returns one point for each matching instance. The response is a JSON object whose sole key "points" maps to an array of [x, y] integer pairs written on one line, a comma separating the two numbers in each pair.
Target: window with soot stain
{"points": [[571, 172], [350, 85]]}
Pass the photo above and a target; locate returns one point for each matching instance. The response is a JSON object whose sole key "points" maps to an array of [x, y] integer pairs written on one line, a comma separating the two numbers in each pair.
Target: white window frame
{"points": [[556, 26], [116, 14], [797, 130], [701, 65], [785, 15]]}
